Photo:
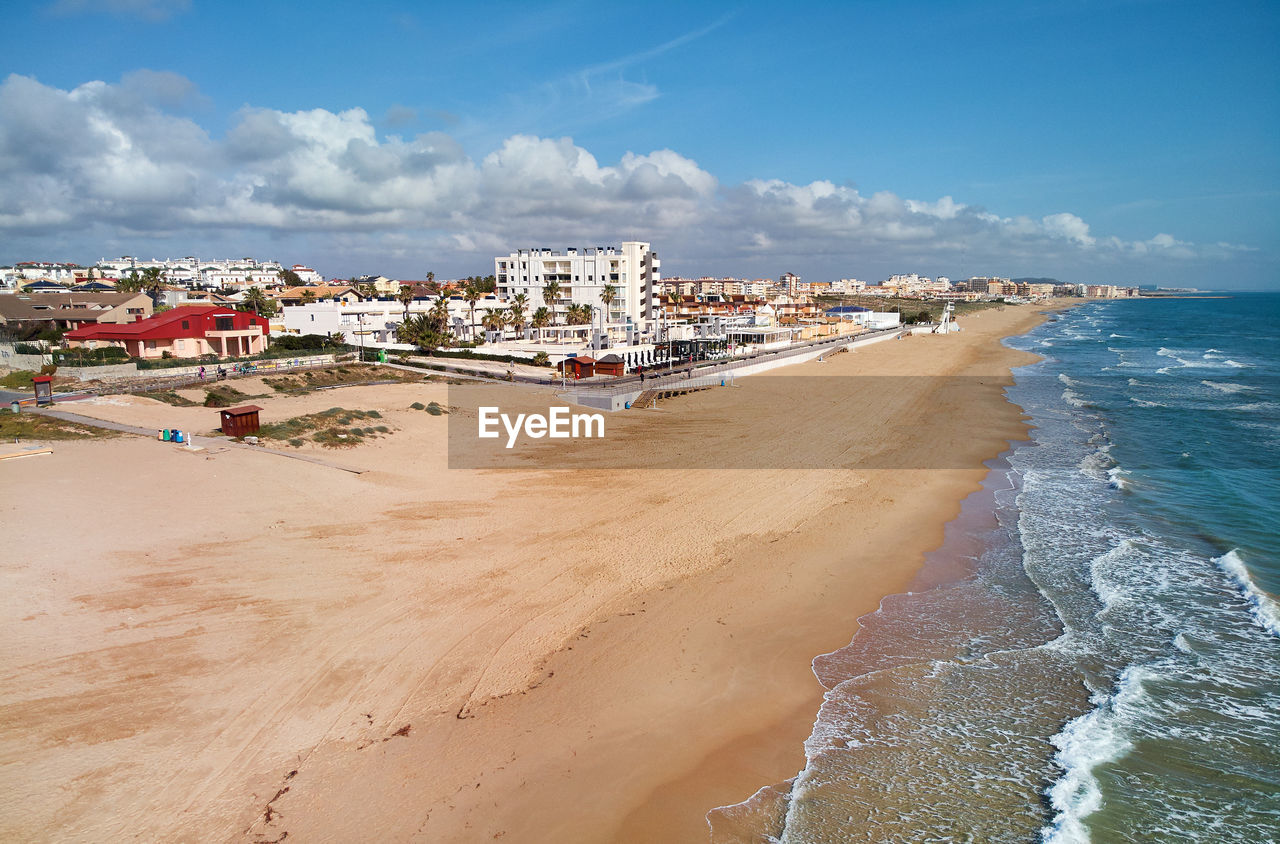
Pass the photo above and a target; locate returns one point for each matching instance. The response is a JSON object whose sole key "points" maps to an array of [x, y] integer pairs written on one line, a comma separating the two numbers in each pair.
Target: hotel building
{"points": [[582, 275]]}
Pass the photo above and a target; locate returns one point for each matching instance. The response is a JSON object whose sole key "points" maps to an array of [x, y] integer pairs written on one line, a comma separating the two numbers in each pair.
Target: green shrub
{"points": [[19, 380], [417, 406], [27, 349]]}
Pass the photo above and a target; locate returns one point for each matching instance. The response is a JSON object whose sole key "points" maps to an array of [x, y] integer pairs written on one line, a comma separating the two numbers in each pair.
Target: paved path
{"points": [[150, 433]]}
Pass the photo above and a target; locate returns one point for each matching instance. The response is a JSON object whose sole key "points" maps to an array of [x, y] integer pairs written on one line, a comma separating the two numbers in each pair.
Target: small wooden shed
{"points": [[611, 365], [579, 367], [240, 421]]}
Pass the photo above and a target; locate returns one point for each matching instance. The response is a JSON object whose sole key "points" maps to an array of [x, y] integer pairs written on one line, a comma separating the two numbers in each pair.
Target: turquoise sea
{"points": [[1107, 667]]}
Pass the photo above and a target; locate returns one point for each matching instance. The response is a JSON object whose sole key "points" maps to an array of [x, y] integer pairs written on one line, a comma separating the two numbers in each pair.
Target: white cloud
{"points": [[121, 157]]}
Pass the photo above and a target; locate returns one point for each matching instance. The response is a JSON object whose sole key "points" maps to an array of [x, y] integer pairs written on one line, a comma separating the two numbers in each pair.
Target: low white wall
{"points": [[92, 373], [13, 360]]}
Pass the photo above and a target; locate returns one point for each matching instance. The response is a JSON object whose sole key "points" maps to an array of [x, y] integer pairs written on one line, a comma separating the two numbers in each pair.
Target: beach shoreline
{"points": [[513, 657]]}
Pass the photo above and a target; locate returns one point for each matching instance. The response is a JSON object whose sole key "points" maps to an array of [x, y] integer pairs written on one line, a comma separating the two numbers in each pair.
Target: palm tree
{"points": [[153, 283], [472, 294], [518, 303], [431, 283], [406, 297], [540, 318], [308, 296], [551, 292], [606, 297], [579, 314], [130, 284], [440, 313], [255, 300], [494, 319], [422, 332]]}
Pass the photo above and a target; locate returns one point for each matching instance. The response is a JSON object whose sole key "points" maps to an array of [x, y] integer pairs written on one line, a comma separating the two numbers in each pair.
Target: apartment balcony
{"points": [[255, 331]]}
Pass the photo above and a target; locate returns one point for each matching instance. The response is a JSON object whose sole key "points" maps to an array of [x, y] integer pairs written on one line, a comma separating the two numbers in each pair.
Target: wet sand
{"points": [[226, 645]]}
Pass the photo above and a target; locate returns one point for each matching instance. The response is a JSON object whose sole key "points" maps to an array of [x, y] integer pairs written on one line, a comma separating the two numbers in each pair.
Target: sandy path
{"points": [[586, 655]]}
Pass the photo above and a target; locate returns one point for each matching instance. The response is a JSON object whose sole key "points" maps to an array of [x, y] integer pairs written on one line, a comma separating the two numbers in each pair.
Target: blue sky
{"points": [[1090, 141]]}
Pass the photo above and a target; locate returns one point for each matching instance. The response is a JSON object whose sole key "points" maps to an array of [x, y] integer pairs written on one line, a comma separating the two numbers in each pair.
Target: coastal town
{"points": [[586, 313]]}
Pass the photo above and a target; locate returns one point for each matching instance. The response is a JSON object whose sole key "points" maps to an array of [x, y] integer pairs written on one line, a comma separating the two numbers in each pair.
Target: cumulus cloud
{"points": [[122, 156]]}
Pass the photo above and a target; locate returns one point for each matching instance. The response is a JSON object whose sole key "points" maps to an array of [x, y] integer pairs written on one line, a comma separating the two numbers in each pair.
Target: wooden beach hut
{"points": [[240, 421], [611, 365], [578, 367]]}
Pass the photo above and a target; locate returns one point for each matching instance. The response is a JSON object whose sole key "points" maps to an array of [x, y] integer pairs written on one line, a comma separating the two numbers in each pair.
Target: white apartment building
{"points": [[243, 272], [380, 317], [582, 275], [848, 285]]}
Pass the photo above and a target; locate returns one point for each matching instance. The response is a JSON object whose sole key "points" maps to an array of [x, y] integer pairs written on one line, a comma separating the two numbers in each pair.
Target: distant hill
{"points": [[1035, 281]]}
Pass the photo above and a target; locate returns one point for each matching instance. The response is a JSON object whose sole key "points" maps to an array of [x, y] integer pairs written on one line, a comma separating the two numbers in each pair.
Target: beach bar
{"points": [[240, 421]]}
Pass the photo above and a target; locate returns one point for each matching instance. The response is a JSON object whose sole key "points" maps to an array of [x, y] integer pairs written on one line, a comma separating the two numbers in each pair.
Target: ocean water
{"points": [[1101, 660]]}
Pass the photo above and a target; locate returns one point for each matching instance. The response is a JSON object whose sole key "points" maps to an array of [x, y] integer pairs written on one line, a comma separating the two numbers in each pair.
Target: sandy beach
{"points": [[231, 646]]}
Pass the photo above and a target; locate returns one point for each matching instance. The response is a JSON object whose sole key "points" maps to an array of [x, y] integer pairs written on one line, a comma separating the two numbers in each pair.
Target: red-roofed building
{"points": [[185, 332]]}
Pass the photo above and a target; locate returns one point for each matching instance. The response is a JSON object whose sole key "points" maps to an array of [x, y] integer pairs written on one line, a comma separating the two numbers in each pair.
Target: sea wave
{"points": [[1085, 743], [1227, 386], [1074, 399], [1105, 587], [1264, 608]]}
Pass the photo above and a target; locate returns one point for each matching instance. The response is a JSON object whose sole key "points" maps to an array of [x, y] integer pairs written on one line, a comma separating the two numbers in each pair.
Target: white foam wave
{"points": [[1236, 364], [1227, 386], [1145, 403], [1116, 477], [1073, 398], [1123, 336], [1264, 608], [1100, 567], [1095, 738], [1069, 381], [1096, 465]]}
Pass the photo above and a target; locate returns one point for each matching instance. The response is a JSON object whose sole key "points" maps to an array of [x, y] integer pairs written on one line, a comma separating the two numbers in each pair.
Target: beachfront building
{"points": [[377, 319], [582, 274], [184, 332]]}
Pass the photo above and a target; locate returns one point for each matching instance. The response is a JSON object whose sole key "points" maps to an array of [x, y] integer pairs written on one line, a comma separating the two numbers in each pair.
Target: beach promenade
{"points": [[231, 647]]}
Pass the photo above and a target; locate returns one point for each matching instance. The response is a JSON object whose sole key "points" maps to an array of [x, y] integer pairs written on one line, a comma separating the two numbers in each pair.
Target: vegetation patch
{"points": [[335, 376], [34, 426], [18, 380], [170, 397], [332, 428], [223, 395]]}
